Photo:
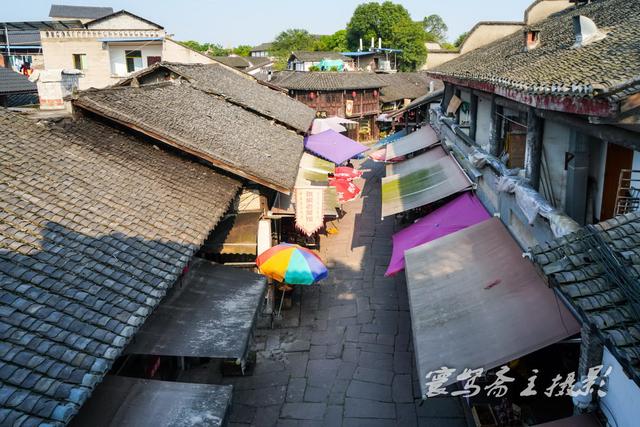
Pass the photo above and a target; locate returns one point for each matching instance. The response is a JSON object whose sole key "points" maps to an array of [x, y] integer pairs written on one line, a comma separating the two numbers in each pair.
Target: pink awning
{"points": [[462, 212]]}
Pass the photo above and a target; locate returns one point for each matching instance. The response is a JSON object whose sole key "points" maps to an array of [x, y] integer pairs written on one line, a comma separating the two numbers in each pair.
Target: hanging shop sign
{"points": [[309, 209], [348, 108]]}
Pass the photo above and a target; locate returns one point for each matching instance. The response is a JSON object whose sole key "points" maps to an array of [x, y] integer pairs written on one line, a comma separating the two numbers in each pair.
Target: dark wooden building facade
{"points": [[354, 96]]}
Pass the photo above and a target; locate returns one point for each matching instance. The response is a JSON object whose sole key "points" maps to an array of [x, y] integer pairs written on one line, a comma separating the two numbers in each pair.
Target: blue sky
{"points": [[254, 21]]}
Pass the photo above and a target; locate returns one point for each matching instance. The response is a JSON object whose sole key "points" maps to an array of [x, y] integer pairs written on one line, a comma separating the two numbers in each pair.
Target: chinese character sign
{"points": [[436, 381]]}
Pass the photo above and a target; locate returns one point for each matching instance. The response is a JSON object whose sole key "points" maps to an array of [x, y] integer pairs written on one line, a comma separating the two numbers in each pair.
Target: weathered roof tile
{"points": [[102, 250], [601, 68], [228, 136], [601, 299]]}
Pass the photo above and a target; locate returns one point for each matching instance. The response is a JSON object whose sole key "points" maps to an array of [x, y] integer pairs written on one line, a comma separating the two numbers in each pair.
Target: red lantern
{"points": [[353, 94], [312, 95]]}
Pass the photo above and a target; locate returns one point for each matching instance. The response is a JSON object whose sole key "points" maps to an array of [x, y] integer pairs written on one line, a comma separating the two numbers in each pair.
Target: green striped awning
{"points": [[435, 179]]}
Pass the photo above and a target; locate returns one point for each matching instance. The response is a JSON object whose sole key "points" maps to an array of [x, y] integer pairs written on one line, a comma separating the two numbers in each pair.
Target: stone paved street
{"points": [[348, 360]]}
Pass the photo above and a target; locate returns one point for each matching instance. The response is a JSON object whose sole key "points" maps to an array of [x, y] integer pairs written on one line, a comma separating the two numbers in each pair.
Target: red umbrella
{"points": [[346, 189], [345, 172]]}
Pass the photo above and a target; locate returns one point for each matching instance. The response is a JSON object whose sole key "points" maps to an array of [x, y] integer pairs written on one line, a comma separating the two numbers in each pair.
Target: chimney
{"points": [[361, 49], [379, 42], [531, 39], [373, 42], [586, 31]]}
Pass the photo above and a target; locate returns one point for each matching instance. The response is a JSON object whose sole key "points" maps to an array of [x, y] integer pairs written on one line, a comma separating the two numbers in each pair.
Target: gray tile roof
{"points": [[404, 86], [263, 47], [555, 67], [241, 89], [95, 226], [598, 271], [317, 56], [303, 80], [12, 82], [238, 62], [228, 136], [81, 12]]}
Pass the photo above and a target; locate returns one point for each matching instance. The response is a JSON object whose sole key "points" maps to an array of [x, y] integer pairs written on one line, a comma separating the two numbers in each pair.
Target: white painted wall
{"points": [[556, 141], [621, 405], [483, 128], [117, 56], [122, 22], [175, 52]]}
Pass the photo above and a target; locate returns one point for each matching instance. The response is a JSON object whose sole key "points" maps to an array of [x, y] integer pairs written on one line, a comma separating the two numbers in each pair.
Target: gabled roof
{"points": [[316, 56], [238, 88], [193, 120], [119, 13], [404, 86], [302, 80], [78, 12], [95, 227], [597, 269], [12, 82], [238, 62], [606, 67], [262, 47]]}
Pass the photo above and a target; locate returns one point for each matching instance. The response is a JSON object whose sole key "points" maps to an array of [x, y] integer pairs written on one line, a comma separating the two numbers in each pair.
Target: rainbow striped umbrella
{"points": [[291, 264]]}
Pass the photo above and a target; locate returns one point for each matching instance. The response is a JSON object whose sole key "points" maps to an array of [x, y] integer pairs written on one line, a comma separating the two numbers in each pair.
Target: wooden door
{"points": [[618, 158]]}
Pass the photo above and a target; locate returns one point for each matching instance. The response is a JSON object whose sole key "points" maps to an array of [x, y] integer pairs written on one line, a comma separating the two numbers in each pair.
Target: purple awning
{"points": [[462, 212], [333, 146]]}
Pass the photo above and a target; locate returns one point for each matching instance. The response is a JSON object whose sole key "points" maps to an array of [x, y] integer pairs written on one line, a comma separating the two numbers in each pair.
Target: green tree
{"points": [[461, 38], [336, 42], [393, 24], [242, 50], [192, 44], [410, 37], [375, 20], [435, 28], [293, 39], [216, 49]]}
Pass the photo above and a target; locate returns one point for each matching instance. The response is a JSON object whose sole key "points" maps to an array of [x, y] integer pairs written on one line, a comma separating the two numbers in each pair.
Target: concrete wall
{"points": [[438, 58], [485, 33], [122, 22], [175, 52], [556, 142], [598, 161], [483, 128], [58, 54], [540, 10], [117, 58], [621, 405]]}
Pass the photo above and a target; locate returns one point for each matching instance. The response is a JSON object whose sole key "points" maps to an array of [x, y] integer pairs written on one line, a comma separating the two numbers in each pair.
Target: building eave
{"points": [[585, 106]]}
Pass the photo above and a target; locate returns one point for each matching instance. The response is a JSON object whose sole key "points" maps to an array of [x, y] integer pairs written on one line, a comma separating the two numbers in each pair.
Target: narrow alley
{"points": [[347, 360]]}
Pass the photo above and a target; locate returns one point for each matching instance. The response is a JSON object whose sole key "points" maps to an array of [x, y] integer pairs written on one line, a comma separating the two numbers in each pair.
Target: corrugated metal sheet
{"points": [[476, 303], [122, 402]]}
